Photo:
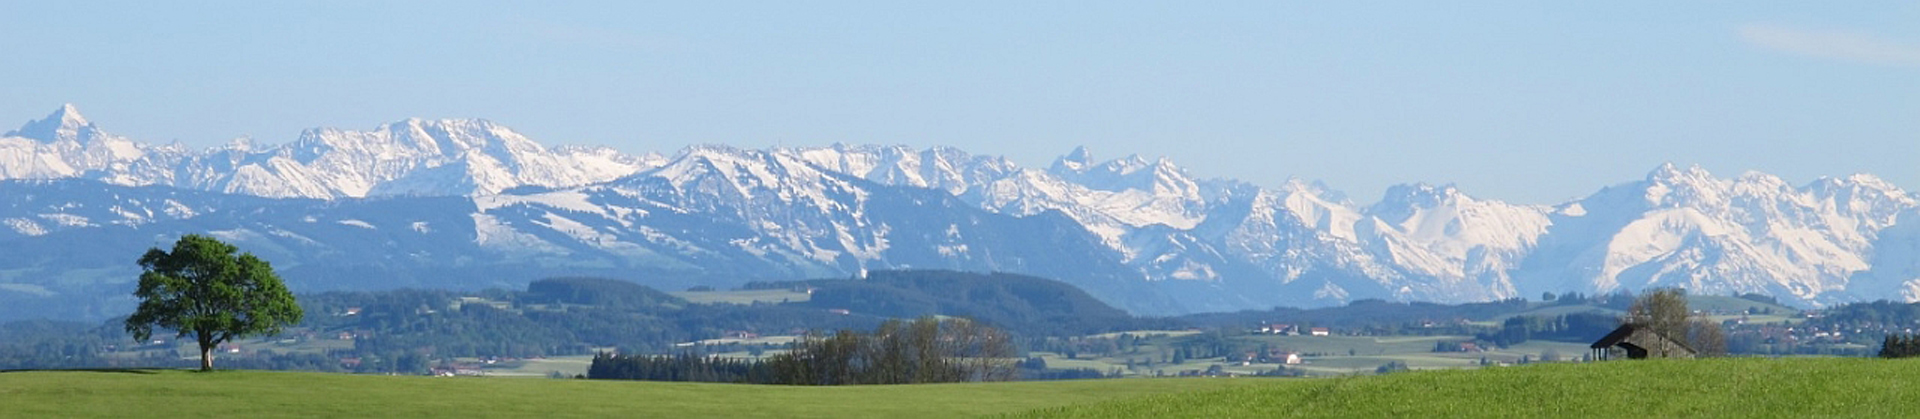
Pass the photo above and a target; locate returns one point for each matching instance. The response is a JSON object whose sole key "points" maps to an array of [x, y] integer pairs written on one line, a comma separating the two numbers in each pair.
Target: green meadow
{"points": [[253, 394], [1736, 387], [1731, 387]]}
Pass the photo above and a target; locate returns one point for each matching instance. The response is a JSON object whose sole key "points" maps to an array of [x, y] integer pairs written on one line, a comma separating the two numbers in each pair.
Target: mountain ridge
{"points": [[1143, 234]]}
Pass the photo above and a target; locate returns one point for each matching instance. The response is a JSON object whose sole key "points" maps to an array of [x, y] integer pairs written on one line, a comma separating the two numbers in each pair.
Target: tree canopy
{"points": [[206, 289], [1665, 311], [927, 350]]}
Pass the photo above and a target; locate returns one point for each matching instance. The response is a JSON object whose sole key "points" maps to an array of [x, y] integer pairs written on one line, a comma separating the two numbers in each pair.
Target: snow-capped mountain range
{"points": [[411, 157], [469, 203]]}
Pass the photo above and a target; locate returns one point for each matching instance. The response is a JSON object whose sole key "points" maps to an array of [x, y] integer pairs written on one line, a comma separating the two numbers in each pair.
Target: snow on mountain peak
{"points": [[1125, 166], [1671, 174], [69, 112], [409, 157], [65, 124], [1677, 226], [1417, 195], [66, 144], [1079, 154], [1875, 186], [1075, 161], [1440, 232], [69, 117], [242, 144], [1873, 200], [1671, 186]]}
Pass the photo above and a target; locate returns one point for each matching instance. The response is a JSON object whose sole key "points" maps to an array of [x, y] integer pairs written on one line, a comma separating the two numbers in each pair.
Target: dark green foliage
{"points": [[1875, 321], [602, 292], [1900, 346], [1391, 367], [1576, 327], [1034, 363], [683, 367], [1515, 330], [398, 323], [204, 289], [1757, 297], [1017, 303], [1881, 312], [898, 352], [47, 343]]}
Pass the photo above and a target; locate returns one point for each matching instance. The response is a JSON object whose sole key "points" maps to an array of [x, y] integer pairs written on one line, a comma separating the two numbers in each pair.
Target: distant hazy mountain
{"points": [[411, 157], [467, 204]]}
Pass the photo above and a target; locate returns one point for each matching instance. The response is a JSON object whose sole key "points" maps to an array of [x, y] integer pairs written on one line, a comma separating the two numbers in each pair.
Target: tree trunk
{"points": [[206, 352]]}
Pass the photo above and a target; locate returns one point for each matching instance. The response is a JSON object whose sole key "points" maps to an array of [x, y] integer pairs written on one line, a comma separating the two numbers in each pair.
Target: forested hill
{"points": [[1018, 303], [401, 330], [600, 292], [406, 330]]}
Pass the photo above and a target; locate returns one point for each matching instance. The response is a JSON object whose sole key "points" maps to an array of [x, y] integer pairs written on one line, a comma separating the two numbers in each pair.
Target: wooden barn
{"points": [[1636, 341]]}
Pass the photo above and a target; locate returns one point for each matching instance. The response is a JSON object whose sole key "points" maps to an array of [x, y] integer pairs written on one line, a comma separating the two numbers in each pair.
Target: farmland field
{"points": [[1735, 387], [772, 296], [169, 393], [1323, 355]]}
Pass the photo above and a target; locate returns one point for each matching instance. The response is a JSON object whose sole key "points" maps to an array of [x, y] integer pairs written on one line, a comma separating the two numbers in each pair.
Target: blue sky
{"points": [[1521, 101]]}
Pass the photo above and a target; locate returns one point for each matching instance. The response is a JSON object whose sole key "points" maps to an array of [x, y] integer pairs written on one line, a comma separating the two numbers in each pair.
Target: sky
{"points": [[1532, 102]]}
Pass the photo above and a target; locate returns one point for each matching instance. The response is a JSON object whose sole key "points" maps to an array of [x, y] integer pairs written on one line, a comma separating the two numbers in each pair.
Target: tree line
{"points": [[1900, 346], [925, 350]]}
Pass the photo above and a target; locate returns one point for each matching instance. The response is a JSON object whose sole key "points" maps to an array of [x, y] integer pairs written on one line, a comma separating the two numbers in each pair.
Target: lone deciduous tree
{"points": [[1665, 311], [202, 288]]}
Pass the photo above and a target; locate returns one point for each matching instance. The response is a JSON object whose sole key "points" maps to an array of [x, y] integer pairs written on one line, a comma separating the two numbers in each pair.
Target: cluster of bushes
{"points": [[1900, 346], [683, 367], [1566, 328], [926, 350]]}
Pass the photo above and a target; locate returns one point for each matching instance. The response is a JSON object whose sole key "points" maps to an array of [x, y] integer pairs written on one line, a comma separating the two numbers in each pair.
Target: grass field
{"points": [[293, 394], [1732, 304], [569, 365], [774, 296], [1741, 387], [1324, 355]]}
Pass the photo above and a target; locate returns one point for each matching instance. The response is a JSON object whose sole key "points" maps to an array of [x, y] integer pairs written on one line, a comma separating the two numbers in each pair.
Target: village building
{"points": [[1635, 341], [1277, 356], [1278, 329]]}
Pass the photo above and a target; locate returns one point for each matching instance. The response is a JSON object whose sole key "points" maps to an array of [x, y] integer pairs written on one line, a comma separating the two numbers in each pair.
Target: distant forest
{"points": [[925, 350], [415, 331], [409, 330]]}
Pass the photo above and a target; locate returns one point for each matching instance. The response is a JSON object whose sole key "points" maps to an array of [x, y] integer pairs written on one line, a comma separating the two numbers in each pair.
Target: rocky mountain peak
{"points": [[1673, 175], [64, 124], [1422, 194], [1075, 161], [807, 211]]}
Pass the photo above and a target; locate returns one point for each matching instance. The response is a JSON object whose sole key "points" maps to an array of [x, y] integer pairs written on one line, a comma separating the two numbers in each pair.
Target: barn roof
{"points": [[1626, 330], [1614, 337]]}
